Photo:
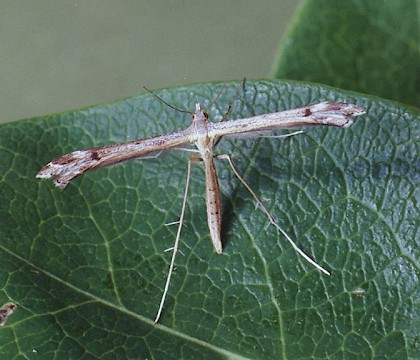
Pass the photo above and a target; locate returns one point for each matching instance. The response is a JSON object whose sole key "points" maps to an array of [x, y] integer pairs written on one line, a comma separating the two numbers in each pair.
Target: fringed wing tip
{"points": [[65, 168], [335, 113], [50, 172], [338, 107]]}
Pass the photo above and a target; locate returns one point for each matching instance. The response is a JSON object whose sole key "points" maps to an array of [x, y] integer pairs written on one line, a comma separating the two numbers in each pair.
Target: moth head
{"points": [[199, 115]]}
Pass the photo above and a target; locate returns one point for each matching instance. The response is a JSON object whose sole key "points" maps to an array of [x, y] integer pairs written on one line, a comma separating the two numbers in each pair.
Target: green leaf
{"points": [[86, 266], [366, 46]]}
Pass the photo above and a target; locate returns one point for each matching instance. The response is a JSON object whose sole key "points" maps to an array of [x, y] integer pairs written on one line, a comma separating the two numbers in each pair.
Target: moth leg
{"points": [[270, 217], [176, 244]]}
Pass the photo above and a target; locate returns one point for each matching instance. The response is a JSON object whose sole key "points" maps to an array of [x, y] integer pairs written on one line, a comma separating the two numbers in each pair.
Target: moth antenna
{"points": [[167, 104], [217, 96]]}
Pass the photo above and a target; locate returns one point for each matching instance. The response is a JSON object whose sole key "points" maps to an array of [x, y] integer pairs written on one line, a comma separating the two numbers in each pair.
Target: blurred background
{"points": [[62, 55]]}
